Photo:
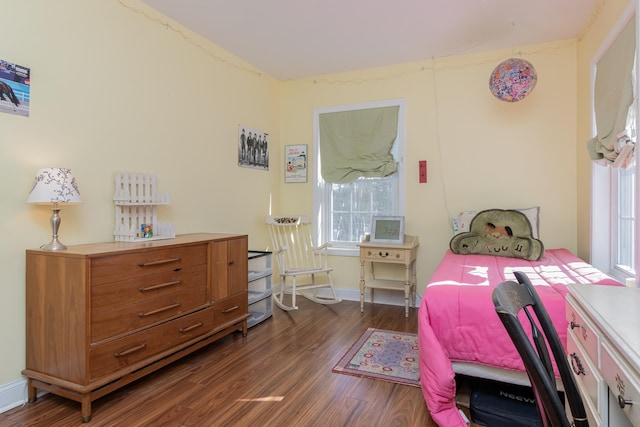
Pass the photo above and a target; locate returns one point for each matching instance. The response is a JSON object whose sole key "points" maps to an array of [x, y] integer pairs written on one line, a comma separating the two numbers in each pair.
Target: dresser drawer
{"points": [[584, 331], [113, 355], [122, 319], [589, 380], [231, 308], [112, 295], [116, 268], [386, 254], [618, 376]]}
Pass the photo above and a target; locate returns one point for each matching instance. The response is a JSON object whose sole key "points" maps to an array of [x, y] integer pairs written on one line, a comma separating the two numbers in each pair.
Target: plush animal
{"points": [[499, 232]]}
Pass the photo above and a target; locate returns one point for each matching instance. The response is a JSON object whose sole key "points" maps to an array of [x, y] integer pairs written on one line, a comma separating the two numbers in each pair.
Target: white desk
{"points": [[603, 340]]}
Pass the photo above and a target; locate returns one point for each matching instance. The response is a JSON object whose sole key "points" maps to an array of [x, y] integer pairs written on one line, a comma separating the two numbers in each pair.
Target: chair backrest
{"points": [[292, 243], [510, 298]]}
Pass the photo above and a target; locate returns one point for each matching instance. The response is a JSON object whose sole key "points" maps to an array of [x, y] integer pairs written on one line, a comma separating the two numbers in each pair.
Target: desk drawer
{"points": [[618, 376], [587, 376], [584, 331], [109, 357]]}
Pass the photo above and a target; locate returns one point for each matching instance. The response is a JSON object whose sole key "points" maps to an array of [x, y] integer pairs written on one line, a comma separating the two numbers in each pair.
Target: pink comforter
{"points": [[457, 320]]}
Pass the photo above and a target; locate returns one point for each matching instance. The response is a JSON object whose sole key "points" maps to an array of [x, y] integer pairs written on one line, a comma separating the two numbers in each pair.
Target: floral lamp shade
{"points": [[513, 79], [54, 185]]}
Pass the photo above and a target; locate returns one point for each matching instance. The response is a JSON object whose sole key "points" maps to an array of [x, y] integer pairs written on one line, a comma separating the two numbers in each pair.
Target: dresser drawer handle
{"points": [[190, 328], [160, 310], [160, 262], [577, 368], [383, 255], [160, 286], [229, 310], [131, 350]]}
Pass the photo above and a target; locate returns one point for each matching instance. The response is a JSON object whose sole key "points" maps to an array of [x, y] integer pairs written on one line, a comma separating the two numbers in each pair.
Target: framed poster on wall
{"points": [[15, 88], [253, 148], [295, 161]]}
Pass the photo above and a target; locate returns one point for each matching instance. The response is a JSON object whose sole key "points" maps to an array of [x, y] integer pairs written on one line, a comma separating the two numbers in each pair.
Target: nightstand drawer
{"points": [[385, 254], [127, 266], [113, 355]]}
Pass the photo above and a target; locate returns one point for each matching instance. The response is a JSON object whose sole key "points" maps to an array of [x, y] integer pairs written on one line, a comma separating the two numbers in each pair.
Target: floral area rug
{"points": [[383, 355]]}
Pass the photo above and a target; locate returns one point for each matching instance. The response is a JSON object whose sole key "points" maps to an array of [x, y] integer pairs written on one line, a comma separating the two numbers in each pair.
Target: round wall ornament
{"points": [[513, 79]]}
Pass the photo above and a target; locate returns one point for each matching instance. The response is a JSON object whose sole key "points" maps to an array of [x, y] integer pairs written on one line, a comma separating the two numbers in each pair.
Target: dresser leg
{"points": [[86, 408], [32, 392]]}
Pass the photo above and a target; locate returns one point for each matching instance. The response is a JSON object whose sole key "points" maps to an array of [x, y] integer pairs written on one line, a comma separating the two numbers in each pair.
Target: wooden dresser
{"points": [[102, 315]]}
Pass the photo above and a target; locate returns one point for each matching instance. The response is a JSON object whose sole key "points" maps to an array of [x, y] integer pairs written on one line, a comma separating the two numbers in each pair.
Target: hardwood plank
{"points": [[280, 374]]}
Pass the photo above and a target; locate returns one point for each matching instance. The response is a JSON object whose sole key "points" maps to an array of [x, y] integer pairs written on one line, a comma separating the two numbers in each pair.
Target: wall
{"points": [[590, 45], [481, 152], [115, 89]]}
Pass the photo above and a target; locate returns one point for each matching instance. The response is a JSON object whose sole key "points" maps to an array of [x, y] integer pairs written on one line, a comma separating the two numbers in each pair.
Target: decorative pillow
{"points": [[499, 232], [462, 220]]}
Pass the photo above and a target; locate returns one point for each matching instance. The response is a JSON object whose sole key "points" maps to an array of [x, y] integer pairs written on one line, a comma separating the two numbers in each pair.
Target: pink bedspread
{"points": [[457, 320]]}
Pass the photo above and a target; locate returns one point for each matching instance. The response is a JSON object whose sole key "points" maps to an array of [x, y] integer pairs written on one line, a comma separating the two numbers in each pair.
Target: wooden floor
{"points": [[279, 375]]}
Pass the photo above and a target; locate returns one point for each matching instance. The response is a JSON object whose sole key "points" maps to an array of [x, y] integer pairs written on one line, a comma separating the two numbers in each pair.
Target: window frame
{"points": [[604, 182], [320, 188]]}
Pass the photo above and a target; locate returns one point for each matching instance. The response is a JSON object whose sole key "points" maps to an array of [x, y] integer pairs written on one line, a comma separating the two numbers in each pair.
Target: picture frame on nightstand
{"points": [[387, 230]]}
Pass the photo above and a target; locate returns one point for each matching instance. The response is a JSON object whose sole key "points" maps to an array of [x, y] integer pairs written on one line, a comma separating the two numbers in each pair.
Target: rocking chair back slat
{"points": [[295, 254], [293, 236]]}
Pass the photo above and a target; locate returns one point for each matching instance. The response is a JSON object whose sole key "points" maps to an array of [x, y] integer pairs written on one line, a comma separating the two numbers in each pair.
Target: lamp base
{"points": [[53, 245]]}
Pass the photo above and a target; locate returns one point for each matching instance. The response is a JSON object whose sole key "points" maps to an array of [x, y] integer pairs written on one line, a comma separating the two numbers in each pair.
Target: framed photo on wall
{"points": [[253, 148], [295, 161], [387, 229]]}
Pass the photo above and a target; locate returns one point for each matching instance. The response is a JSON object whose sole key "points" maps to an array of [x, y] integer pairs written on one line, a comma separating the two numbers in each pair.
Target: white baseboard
{"points": [[15, 393], [381, 296]]}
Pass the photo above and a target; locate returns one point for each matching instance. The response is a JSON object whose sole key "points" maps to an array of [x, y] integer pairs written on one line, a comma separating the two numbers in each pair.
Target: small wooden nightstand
{"points": [[404, 254]]}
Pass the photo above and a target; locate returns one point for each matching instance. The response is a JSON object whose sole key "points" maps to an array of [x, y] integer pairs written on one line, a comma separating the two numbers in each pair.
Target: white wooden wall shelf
{"points": [[136, 199]]}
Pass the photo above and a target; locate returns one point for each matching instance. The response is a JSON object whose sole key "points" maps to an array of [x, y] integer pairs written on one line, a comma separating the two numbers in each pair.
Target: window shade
{"points": [[613, 95], [357, 143]]}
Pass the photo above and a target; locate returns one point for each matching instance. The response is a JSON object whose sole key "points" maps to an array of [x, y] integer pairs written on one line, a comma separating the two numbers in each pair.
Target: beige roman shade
{"points": [[357, 143], [613, 95]]}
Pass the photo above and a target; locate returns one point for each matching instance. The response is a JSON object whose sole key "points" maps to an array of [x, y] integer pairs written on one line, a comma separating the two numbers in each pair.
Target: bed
{"points": [[459, 331]]}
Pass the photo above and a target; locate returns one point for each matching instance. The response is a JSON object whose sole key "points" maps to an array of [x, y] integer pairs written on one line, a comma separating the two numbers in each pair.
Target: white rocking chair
{"points": [[296, 256]]}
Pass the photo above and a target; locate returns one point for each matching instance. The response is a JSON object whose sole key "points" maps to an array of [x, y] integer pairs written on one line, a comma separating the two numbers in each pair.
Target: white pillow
{"points": [[462, 220]]}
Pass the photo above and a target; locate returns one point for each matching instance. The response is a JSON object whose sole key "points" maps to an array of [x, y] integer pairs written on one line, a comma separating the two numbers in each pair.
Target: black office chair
{"points": [[509, 298]]}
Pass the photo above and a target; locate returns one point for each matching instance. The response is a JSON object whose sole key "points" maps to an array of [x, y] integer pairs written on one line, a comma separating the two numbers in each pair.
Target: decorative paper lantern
{"points": [[512, 80]]}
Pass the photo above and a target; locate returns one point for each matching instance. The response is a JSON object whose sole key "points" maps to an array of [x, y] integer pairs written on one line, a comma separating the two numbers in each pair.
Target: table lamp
{"points": [[54, 186]]}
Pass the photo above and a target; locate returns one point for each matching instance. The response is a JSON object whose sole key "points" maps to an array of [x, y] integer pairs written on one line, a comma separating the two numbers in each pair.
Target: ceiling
{"points": [[292, 39]]}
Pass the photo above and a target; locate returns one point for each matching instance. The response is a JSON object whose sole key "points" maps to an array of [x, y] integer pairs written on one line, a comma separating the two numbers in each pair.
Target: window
{"points": [[623, 227], [624, 222], [613, 187], [344, 211]]}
